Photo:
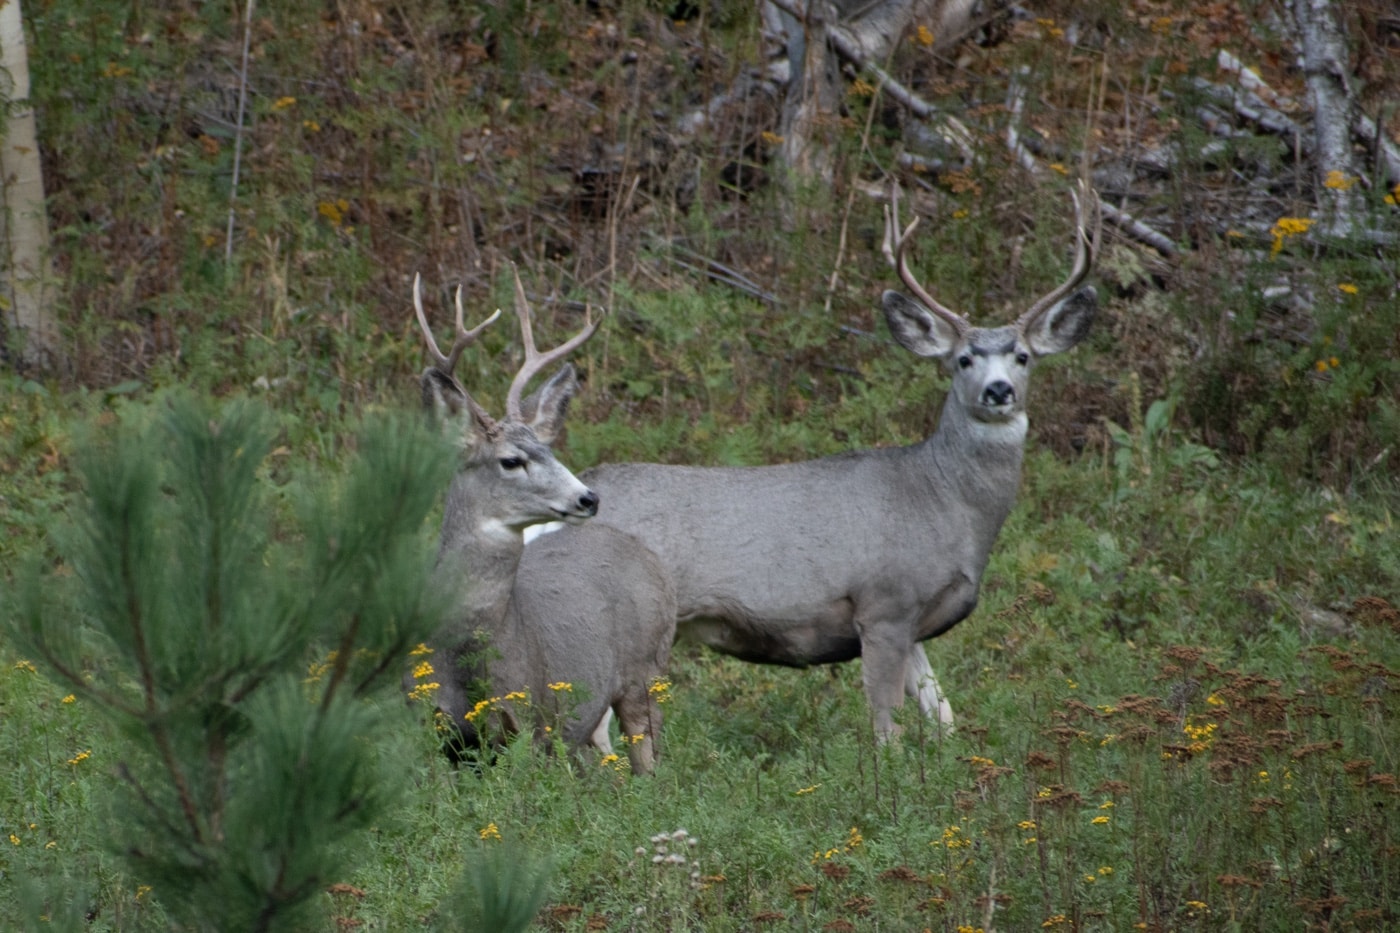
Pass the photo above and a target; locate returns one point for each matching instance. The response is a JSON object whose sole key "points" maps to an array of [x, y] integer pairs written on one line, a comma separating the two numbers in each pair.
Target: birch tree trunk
{"points": [[1325, 60], [868, 28], [24, 227]]}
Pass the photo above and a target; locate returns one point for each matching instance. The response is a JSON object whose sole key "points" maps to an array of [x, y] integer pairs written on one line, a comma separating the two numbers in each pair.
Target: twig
{"points": [[238, 131], [1015, 102]]}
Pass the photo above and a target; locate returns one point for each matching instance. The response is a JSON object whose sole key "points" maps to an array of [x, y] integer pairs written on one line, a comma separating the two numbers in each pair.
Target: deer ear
{"points": [[916, 329], [457, 411], [544, 410], [1065, 324]]}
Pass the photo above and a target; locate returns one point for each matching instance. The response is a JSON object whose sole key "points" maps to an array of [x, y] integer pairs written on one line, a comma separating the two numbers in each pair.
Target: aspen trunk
{"points": [[33, 334]]}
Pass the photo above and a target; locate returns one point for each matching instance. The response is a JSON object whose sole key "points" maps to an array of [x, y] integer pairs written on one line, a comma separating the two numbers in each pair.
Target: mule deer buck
{"points": [[871, 552], [591, 608]]}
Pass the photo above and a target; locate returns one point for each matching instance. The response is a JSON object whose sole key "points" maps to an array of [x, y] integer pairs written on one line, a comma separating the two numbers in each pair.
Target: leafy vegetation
{"points": [[1177, 697]]}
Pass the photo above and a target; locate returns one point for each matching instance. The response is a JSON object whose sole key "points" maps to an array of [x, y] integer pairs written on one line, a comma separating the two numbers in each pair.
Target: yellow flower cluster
{"points": [[1339, 180], [924, 36], [1201, 736], [490, 703], [1286, 227], [953, 839], [489, 831], [660, 688]]}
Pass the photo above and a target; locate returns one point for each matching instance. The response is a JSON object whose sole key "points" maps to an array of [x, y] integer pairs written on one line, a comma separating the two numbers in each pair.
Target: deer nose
{"points": [[1000, 392], [588, 503]]}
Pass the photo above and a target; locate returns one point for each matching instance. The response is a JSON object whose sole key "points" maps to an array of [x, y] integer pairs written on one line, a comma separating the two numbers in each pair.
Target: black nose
{"points": [[1000, 392], [588, 503]]}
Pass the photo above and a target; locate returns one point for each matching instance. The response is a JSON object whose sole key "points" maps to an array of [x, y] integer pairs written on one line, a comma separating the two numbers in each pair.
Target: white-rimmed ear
{"points": [[916, 329], [1065, 324], [544, 410]]}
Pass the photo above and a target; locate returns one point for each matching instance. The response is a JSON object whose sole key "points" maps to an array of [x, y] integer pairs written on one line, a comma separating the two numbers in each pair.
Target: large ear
{"points": [[544, 410], [1065, 324], [455, 410], [916, 329]]}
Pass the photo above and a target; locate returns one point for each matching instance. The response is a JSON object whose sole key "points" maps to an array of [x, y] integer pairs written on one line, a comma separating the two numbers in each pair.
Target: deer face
{"points": [[990, 366], [508, 473]]}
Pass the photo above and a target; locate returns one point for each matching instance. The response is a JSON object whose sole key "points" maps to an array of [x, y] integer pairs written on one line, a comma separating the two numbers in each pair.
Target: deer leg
{"points": [[884, 651], [921, 684], [601, 738], [640, 718]]}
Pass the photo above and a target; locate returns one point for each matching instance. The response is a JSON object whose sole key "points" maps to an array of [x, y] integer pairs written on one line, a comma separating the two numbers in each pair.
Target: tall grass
{"points": [[1177, 696]]}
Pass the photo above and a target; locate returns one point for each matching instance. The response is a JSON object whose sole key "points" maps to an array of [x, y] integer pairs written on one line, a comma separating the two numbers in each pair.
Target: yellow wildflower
{"points": [[282, 103], [1339, 180], [1286, 227], [1347, 287], [423, 691], [80, 757], [806, 790], [424, 669], [924, 36], [421, 650], [489, 831], [1100, 820], [70, 698], [562, 685], [23, 665]]}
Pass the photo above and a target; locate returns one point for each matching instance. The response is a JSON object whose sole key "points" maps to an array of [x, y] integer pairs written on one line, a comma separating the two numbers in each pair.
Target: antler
{"points": [[894, 246], [462, 339], [1087, 247], [534, 359]]}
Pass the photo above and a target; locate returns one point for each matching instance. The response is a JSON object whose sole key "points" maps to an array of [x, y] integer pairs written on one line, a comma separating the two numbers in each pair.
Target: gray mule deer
{"points": [[866, 553], [591, 609]]}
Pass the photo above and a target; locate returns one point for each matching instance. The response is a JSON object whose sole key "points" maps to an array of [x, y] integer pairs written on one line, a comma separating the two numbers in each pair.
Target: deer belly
{"points": [[826, 638]]}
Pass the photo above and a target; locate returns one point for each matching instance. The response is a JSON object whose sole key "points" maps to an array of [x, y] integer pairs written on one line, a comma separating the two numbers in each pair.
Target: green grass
{"points": [[1190, 615], [1153, 729]]}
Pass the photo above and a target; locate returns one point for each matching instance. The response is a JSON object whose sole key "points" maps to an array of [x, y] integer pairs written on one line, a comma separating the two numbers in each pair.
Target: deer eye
{"points": [[512, 463], [1022, 358], [964, 361]]}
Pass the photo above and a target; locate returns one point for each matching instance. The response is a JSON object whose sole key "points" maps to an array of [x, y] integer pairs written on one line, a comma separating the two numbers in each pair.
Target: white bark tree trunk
{"points": [[868, 30], [1325, 60], [24, 225]]}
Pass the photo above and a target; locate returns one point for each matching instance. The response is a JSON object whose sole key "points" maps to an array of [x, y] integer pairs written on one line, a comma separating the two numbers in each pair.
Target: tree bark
{"points": [[24, 226], [1325, 60]]}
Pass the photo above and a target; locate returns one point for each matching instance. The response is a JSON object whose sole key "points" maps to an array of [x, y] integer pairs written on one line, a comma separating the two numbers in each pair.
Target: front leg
{"points": [[884, 652], [921, 684]]}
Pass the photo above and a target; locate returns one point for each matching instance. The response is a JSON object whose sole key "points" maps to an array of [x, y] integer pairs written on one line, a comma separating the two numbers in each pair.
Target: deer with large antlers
{"points": [[869, 553], [566, 632]]}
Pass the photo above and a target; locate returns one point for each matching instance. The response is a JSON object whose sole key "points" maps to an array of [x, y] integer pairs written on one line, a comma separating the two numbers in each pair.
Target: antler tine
{"points": [[894, 247], [1086, 249], [463, 338], [534, 359]]}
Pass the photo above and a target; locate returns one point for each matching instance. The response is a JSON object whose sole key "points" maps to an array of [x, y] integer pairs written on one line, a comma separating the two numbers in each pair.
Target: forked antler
{"points": [[1087, 247], [894, 246], [534, 359], [462, 339]]}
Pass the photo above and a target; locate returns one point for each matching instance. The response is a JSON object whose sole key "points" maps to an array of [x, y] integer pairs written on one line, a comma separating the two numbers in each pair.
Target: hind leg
{"points": [[921, 684], [600, 738], [640, 718]]}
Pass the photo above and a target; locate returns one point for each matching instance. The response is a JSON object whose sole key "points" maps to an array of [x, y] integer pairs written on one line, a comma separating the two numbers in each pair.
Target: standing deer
{"points": [[591, 608], [866, 553]]}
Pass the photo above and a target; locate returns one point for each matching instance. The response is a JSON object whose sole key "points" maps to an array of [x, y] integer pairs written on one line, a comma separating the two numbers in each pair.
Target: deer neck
{"points": [[977, 462], [482, 555]]}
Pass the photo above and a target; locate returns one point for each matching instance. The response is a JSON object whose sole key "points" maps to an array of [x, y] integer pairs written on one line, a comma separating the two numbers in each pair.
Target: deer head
{"points": [[991, 366], [513, 477]]}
